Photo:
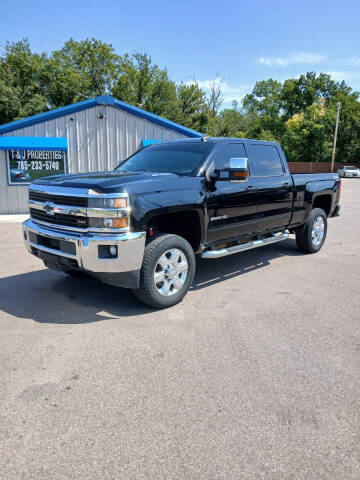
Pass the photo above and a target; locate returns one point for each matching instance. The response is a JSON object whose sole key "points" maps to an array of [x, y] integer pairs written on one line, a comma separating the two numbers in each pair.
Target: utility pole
{"points": [[335, 135]]}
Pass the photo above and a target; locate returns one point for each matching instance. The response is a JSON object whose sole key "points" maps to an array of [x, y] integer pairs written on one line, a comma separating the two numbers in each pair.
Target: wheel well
{"points": [[184, 224], [324, 202]]}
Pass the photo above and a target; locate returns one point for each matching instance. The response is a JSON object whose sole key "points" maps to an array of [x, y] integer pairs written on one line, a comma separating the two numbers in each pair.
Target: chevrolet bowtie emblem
{"points": [[49, 208]]}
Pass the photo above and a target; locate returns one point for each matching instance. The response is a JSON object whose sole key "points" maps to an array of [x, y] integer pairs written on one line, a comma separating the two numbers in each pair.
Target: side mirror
{"points": [[238, 171]]}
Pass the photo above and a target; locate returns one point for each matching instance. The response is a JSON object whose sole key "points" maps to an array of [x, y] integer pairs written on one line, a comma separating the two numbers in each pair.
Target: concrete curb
{"points": [[13, 218]]}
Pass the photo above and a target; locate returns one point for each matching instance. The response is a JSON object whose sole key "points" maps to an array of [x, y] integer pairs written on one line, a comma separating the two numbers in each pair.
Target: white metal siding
{"points": [[93, 144]]}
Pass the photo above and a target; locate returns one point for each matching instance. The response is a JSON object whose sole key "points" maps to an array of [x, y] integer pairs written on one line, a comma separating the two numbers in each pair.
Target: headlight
{"points": [[108, 212], [108, 202]]}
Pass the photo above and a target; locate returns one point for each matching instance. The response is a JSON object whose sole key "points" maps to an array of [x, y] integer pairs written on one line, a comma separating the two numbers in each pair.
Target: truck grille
{"points": [[58, 199], [59, 219]]}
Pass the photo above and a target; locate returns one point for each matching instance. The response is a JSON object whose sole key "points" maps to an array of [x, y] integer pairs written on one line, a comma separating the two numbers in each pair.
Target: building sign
{"points": [[24, 166]]}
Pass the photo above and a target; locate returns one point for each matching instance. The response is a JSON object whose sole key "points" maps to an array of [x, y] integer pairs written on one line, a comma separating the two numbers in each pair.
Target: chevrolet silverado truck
{"points": [[141, 225]]}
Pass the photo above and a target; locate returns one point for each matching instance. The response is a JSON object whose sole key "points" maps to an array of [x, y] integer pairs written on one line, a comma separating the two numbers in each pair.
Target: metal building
{"points": [[89, 136]]}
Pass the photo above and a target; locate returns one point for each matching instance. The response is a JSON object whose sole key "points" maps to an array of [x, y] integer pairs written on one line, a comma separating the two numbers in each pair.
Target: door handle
{"points": [[249, 187], [286, 184]]}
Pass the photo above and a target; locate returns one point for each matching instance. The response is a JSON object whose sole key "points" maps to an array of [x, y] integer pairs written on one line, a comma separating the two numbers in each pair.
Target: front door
{"points": [[232, 207]]}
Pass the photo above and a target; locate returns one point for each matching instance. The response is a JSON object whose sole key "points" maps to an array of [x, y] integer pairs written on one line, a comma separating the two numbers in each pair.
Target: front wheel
{"points": [[167, 271], [312, 236]]}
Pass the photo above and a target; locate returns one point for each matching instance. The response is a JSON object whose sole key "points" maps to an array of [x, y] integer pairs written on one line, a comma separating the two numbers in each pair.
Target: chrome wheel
{"points": [[170, 272], [318, 229]]}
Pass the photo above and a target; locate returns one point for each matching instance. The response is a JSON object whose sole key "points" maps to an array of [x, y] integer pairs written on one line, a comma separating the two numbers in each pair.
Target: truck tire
{"points": [[311, 237], [167, 271]]}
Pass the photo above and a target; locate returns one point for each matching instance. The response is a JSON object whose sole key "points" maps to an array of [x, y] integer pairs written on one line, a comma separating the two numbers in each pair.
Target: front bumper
{"points": [[82, 249]]}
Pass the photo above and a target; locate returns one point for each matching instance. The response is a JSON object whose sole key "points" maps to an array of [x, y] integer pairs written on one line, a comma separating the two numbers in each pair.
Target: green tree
{"points": [[145, 85], [10, 103], [307, 137], [230, 122], [21, 92], [348, 142], [299, 93], [264, 108], [80, 70], [191, 107], [265, 99]]}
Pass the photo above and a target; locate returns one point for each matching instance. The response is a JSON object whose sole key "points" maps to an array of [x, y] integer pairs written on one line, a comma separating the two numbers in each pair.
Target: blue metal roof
{"points": [[33, 143], [103, 100]]}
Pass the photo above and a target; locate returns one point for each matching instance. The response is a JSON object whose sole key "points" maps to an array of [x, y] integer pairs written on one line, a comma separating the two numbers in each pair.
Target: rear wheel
{"points": [[167, 271], [312, 236]]}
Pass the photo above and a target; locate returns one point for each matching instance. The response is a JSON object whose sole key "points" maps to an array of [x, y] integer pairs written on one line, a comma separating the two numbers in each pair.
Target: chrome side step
{"points": [[223, 252]]}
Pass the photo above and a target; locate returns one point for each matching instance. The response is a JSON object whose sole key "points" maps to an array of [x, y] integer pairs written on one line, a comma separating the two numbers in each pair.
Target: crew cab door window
{"points": [[231, 150], [266, 159]]}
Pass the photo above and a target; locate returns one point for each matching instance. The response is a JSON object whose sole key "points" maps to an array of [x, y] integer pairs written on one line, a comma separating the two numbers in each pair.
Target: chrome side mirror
{"points": [[238, 169]]}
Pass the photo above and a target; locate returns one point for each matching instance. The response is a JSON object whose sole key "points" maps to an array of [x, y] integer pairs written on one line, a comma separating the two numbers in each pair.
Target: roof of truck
{"points": [[205, 138]]}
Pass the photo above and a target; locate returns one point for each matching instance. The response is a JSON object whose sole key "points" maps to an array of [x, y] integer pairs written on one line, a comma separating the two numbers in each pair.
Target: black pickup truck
{"points": [[141, 225]]}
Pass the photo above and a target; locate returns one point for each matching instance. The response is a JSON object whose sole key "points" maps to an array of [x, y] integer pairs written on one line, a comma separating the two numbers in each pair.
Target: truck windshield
{"points": [[181, 158]]}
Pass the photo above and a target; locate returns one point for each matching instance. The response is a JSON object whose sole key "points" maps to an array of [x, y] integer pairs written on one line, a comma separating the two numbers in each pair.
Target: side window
{"points": [[231, 150], [266, 160]]}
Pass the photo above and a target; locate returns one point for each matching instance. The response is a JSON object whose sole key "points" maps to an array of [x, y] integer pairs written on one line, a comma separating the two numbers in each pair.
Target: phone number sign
{"points": [[24, 166]]}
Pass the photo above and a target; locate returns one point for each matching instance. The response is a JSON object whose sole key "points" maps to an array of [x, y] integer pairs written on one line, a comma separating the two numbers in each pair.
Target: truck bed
{"points": [[303, 178]]}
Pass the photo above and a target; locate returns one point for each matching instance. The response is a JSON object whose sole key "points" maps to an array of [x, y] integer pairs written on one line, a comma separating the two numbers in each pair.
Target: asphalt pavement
{"points": [[255, 375]]}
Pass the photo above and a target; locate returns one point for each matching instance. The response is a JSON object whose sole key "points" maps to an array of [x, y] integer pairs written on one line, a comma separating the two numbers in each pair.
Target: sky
{"points": [[237, 42]]}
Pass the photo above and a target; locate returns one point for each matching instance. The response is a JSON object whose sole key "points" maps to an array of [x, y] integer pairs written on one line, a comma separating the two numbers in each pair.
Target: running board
{"points": [[223, 252]]}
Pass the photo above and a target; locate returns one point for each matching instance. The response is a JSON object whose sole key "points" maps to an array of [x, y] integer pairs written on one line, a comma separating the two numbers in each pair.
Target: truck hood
{"points": [[113, 182]]}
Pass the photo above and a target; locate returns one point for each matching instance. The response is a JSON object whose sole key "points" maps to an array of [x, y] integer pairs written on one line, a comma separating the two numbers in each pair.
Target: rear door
{"points": [[274, 186], [232, 205]]}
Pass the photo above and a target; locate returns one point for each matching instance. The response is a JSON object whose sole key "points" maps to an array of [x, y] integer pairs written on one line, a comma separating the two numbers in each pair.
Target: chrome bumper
{"points": [[130, 248]]}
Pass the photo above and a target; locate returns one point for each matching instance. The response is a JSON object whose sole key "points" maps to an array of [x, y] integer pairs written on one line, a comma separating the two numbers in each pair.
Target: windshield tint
{"points": [[179, 157]]}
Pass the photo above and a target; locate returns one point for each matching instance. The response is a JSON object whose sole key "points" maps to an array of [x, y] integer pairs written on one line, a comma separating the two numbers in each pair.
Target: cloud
{"points": [[299, 57], [228, 92], [353, 61], [269, 62], [340, 76]]}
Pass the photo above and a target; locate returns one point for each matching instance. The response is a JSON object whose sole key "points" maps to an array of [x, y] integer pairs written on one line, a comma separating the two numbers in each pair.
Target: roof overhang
{"points": [[103, 100]]}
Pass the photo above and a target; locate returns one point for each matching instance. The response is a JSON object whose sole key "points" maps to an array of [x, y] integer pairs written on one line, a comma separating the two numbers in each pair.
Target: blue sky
{"points": [[239, 42]]}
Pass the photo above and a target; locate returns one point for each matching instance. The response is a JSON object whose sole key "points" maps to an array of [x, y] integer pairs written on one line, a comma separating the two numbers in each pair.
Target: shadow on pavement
{"points": [[210, 272], [46, 296]]}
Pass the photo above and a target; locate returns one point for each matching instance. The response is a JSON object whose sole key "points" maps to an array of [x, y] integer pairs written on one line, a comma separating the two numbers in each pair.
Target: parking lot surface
{"points": [[255, 375]]}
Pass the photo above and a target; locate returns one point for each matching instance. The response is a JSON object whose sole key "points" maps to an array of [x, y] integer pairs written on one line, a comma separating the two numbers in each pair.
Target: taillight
{"points": [[19, 175]]}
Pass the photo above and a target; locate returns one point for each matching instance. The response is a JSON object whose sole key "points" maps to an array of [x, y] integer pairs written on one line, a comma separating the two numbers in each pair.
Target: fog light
{"points": [[107, 251], [108, 223]]}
